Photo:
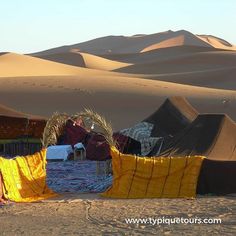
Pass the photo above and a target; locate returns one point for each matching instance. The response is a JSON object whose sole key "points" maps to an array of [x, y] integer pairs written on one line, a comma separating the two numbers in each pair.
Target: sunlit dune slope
{"points": [[13, 65], [85, 60]]}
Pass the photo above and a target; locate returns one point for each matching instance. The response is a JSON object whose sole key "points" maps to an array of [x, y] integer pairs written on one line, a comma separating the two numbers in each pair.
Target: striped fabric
{"points": [[153, 177], [24, 178]]}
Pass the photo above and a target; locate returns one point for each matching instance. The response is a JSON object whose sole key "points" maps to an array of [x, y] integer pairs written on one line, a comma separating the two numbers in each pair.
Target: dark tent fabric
{"points": [[210, 135], [132, 147], [73, 134], [217, 177], [175, 114], [98, 149], [126, 144]]}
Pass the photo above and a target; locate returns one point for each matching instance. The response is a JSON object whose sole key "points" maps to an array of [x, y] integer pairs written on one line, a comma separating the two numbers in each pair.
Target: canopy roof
{"points": [[14, 124]]}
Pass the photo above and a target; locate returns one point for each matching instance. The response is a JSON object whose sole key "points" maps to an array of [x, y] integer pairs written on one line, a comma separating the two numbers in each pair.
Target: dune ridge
{"points": [[135, 44], [217, 42], [15, 65], [124, 44], [85, 60]]}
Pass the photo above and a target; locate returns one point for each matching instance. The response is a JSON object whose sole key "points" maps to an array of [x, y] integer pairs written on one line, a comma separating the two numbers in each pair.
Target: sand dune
{"points": [[99, 63], [217, 42], [7, 111], [185, 39], [215, 69], [185, 63], [14, 65], [114, 97], [128, 44], [140, 43], [180, 40], [222, 78], [159, 54], [85, 60], [172, 42], [69, 58]]}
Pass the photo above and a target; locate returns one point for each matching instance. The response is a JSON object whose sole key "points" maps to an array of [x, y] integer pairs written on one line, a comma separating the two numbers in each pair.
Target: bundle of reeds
{"points": [[54, 128], [105, 128]]}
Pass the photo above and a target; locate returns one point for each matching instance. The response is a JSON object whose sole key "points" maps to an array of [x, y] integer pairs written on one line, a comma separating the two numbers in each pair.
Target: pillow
{"points": [[153, 177]]}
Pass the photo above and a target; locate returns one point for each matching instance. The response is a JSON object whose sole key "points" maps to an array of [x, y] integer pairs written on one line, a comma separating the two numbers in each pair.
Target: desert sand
{"points": [[125, 78], [89, 214], [7, 111]]}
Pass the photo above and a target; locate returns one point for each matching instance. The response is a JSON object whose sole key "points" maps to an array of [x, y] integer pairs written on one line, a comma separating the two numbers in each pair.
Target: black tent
{"points": [[210, 135], [174, 114]]}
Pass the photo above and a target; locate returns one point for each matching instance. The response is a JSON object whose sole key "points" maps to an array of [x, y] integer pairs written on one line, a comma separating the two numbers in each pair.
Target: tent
{"points": [[213, 136], [210, 135], [174, 114], [185, 132], [20, 133]]}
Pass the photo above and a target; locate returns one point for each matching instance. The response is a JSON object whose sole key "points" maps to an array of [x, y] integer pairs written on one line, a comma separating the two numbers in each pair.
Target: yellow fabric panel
{"points": [[153, 177], [24, 178]]}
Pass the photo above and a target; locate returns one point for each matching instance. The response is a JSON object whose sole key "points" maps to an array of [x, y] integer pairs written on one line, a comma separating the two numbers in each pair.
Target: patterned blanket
{"points": [[141, 132]]}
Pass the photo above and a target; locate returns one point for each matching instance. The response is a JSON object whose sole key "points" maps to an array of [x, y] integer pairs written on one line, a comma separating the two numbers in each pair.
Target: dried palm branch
{"points": [[54, 128]]}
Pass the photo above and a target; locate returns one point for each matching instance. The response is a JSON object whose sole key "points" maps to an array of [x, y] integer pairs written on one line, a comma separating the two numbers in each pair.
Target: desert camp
{"points": [[117, 118], [175, 152]]}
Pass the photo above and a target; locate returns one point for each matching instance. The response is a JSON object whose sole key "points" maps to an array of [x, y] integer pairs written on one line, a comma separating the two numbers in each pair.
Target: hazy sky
{"points": [[34, 25]]}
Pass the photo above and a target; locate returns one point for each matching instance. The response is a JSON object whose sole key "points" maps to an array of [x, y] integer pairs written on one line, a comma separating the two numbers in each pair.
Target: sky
{"points": [[28, 26]]}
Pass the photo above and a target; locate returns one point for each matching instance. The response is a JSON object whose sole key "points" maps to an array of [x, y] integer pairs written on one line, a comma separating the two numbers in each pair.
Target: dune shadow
{"points": [[3, 53]]}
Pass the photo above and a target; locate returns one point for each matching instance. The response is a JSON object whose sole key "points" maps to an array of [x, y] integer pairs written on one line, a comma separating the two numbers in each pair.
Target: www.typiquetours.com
{"points": [[173, 220]]}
